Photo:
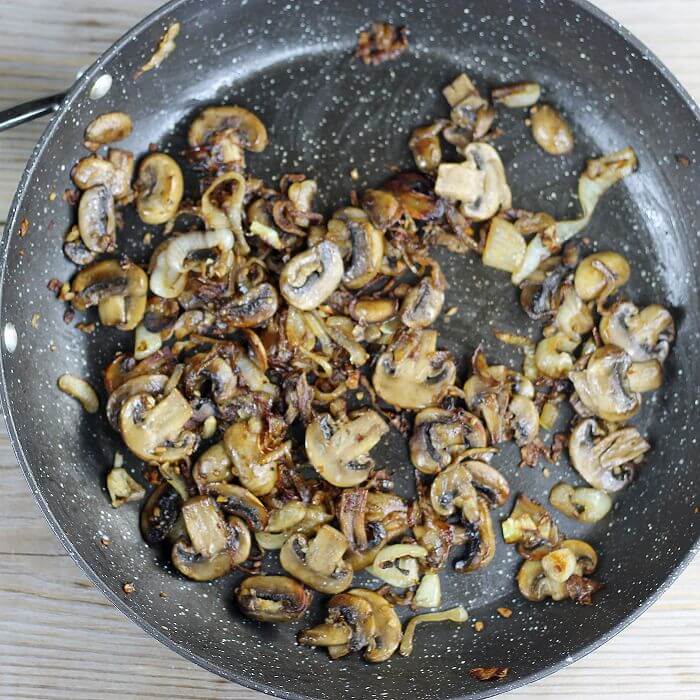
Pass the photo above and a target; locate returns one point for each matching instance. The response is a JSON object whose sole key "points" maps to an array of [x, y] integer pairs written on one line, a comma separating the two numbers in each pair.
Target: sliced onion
{"points": [[458, 614]]}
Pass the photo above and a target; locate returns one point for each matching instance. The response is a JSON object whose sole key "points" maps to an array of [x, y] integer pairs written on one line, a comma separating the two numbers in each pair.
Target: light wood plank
{"points": [[52, 621]]}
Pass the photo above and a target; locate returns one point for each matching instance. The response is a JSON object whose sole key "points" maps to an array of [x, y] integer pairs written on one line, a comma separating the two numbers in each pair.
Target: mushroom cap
{"points": [[159, 188], [387, 626], [97, 219], [246, 127], [197, 567], [273, 598], [339, 452], [310, 277], [535, 585]]}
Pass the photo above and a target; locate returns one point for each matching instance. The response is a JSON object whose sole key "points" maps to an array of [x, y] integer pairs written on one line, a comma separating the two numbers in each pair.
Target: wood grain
{"points": [[53, 642]]}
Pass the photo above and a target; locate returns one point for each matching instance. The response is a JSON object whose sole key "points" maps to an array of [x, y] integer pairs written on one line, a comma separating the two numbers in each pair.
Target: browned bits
{"points": [[581, 589], [493, 673], [383, 42], [682, 160], [479, 626], [35, 320], [23, 228], [129, 588], [54, 285], [504, 612], [105, 541]]}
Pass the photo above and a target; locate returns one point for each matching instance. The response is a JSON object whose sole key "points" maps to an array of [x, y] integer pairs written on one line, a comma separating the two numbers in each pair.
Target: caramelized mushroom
{"points": [[108, 127], [159, 187], [160, 513], [309, 278], [96, 219], [552, 134], [272, 598], [422, 305]]}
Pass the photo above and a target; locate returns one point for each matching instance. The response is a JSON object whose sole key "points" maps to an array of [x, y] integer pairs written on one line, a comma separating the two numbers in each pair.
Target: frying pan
{"points": [[327, 113]]}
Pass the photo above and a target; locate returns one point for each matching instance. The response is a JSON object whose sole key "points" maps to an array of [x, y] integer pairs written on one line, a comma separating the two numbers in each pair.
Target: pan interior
{"points": [[326, 114]]}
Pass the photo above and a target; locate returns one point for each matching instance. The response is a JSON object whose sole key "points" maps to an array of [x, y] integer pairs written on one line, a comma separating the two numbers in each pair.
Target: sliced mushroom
{"points": [[152, 384], [92, 171], [387, 633], [573, 316], [425, 146], [535, 585], [644, 335], [198, 567], [228, 129], [96, 219], [173, 258], [213, 465], [480, 541], [416, 195], [222, 205], [423, 304], [439, 436], [239, 501], [412, 373], [250, 309], [359, 242], [117, 288], [525, 421], [160, 513], [397, 564], [123, 367], [603, 386], [553, 355], [517, 96], [581, 503], [368, 310], [339, 450], [531, 527], [350, 618], [255, 454], [479, 183], [123, 163], [318, 562], [309, 278], [488, 482], [559, 564], [272, 598], [452, 490], [601, 274], [159, 187], [382, 207], [586, 557], [552, 134], [606, 462], [107, 128], [645, 376], [154, 431]]}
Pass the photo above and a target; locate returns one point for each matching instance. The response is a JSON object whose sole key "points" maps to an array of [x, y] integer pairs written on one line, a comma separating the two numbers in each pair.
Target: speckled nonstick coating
{"points": [[327, 113]]}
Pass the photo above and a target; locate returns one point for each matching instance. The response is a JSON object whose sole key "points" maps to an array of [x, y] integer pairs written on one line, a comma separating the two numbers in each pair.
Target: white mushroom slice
{"points": [[172, 259], [108, 127], [601, 274], [573, 316], [603, 387], [459, 89], [80, 390], [340, 451], [552, 355], [145, 342], [606, 462], [600, 175], [644, 335], [423, 303], [154, 431], [122, 488], [205, 526], [309, 278], [91, 171], [582, 503], [412, 373], [505, 246], [495, 193], [397, 564], [159, 188]]}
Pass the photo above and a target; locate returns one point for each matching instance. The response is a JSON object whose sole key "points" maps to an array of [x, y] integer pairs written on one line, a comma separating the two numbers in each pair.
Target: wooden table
{"points": [[53, 642]]}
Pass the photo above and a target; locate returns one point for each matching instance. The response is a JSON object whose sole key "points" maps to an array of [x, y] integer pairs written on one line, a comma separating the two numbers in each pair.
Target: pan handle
{"points": [[30, 110]]}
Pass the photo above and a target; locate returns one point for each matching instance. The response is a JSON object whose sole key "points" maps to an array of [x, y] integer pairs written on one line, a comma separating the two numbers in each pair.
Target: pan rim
{"points": [[120, 603]]}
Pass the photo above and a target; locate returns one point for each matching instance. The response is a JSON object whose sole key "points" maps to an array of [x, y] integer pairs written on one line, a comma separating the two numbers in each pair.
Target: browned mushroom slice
{"points": [[213, 465], [423, 303], [222, 206], [552, 134], [517, 95], [238, 501], [339, 450], [318, 562], [601, 274], [272, 598], [425, 146], [452, 490], [531, 527], [412, 373], [96, 219], [117, 288], [92, 171], [480, 541], [107, 128], [159, 187], [535, 585], [123, 367], [606, 462], [603, 386], [123, 163], [160, 513], [644, 335], [255, 452], [369, 310], [309, 278], [152, 384], [382, 207], [154, 430], [439, 436], [416, 195], [240, 127], [488, 482], [171, 261], [387, 633], [250, 309]]}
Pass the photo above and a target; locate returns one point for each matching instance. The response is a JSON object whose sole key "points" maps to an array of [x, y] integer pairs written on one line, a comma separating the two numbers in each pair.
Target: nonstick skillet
{"points": [[327, 113]]}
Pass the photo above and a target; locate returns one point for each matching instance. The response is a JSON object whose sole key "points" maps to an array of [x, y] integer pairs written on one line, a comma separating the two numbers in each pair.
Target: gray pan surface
{"points": [[291, 62]]}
